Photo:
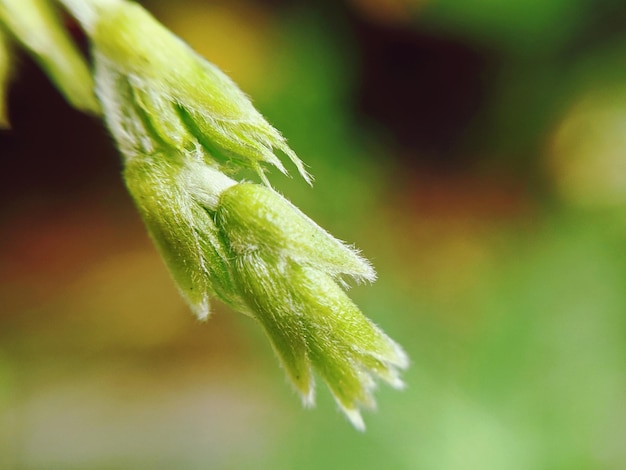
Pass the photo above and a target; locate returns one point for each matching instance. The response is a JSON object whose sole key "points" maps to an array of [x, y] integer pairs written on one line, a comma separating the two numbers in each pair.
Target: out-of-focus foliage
{"points": [[503, 274], [531, 27]]}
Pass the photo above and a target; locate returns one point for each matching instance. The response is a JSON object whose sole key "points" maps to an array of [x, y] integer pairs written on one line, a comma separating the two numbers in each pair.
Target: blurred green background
{"points": [[475, 150]]}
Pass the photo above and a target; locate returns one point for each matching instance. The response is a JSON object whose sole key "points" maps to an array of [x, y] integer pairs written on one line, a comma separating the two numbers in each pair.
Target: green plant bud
{"points": [[312, 324], [257, 217], [36, 25], [165, 190], [287, 269], [191, 103], [181, 125], [5, 76], [139, 128]]}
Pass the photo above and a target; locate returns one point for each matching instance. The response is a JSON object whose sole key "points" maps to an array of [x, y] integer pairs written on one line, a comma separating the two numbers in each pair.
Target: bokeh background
{"points": [[475, 150]]}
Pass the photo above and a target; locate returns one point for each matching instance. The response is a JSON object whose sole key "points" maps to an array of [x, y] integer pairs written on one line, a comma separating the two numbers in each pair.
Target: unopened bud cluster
{"points": [[185, 129]]}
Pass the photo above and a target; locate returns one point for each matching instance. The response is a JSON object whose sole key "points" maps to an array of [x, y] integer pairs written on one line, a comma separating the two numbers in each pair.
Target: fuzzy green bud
{"points": [[257, 217], [172, 194], [182, 125], [287, 268], [200, 109], [249, 247], [36, 25]]}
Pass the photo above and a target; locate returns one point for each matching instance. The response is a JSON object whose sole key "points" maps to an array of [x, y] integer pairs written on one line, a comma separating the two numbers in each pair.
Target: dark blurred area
{"points": [[474, 150]]}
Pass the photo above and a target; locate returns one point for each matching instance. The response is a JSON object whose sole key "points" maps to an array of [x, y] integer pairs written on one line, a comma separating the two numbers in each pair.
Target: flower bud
{"points": [[257, 217], [182, 125], [189, 102], [174, 212], [313, 325], [286, 267]]}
